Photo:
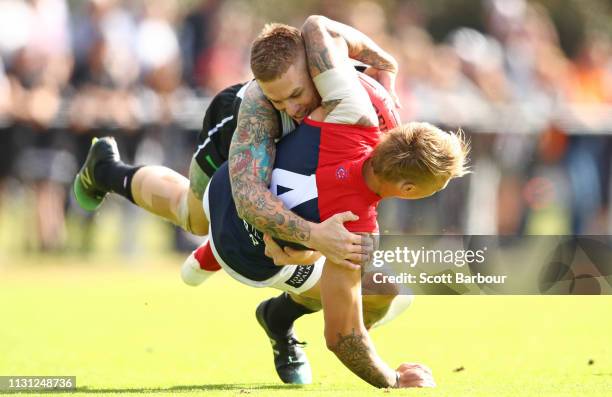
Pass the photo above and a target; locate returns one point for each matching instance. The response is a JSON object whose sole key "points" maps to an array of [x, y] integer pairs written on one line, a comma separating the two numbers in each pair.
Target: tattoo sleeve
{"points": [[356, 353], [322, 51], [359, 46], [326, 50], [251, 157], [368, 52]]}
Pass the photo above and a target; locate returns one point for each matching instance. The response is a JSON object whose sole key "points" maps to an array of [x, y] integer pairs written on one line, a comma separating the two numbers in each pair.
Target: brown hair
{"points": [[274, 50], [414, 151]]}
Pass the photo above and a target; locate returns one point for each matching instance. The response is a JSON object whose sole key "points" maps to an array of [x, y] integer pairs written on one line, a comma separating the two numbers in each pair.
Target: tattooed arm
{"points": [[345, 333], [358, 46], [343, 98], [251, 157], [347, 337]]}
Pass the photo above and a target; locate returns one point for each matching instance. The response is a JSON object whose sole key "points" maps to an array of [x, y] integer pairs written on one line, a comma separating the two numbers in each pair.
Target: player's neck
{"points": [[371, 180]]}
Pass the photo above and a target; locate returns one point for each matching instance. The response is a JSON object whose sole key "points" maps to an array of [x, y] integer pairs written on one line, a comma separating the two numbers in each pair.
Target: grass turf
{"points": [[130, 327]]}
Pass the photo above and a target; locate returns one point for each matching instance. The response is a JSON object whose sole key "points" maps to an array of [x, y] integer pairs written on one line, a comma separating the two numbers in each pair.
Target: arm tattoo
{"points": [[329, 106], [251, 158], [375, 57], [355, 352], [324, 53], [319, 60], [317, 41], [319, 30]]}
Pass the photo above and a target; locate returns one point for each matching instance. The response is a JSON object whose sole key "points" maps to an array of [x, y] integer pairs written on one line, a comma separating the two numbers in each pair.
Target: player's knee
{"points": [[384, 314], [197, 227], [192, 216], [377, 302], [308, 302]]}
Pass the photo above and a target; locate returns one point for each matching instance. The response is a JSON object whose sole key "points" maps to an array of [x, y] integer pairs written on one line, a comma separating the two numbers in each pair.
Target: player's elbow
{"points": [[240, 208], [244, 211], [236, 195], [313, 23]]}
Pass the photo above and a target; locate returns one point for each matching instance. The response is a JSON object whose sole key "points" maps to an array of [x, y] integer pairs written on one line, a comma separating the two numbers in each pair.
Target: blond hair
{"points": [[274, 50], [415, 151]]}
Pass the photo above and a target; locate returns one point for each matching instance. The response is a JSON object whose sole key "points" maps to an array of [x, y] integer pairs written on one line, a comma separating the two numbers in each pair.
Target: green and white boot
{"points": [[88, 193]]}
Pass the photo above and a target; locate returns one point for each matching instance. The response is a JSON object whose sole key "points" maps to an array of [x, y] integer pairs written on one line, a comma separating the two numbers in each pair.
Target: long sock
{"points": [[116, 177], [281, 312]]}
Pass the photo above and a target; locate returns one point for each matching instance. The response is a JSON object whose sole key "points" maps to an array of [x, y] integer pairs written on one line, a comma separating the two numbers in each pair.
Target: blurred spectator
{"points": [[39, 69], [590, 86], [226, 60], [5, 132], [196, 38], [15, 26]]}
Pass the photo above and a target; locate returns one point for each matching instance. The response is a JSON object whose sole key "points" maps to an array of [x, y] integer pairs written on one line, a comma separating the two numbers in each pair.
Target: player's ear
{"points": [[406, 188]]}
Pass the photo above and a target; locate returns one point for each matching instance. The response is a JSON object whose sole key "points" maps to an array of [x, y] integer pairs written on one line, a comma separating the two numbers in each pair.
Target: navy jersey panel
{"points": [[298, 153], [239, 244], [296, 162]]}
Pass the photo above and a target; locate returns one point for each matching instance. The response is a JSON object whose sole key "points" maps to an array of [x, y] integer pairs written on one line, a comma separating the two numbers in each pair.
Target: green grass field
{"points": [[126, 327]]}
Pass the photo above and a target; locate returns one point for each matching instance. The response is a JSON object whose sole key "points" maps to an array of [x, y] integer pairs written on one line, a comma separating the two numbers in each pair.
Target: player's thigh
{"points": [[198, 179], [370, 302], [198, 223], [377, 301], [313, 293]]}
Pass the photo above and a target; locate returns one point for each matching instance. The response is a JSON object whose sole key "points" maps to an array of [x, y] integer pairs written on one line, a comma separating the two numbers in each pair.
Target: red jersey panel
{"points": [[343, 150]]}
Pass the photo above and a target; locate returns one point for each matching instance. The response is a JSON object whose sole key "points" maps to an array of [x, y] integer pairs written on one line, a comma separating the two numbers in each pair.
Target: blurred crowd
{"points": [[538, 115]]}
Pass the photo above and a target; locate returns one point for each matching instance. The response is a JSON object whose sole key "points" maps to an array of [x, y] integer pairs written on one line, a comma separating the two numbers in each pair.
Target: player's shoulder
{"points": [[254, 104], [254, 96]]}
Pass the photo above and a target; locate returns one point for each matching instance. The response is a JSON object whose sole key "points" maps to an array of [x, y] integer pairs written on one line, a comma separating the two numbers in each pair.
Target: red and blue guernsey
{"points": [[317, 173]]}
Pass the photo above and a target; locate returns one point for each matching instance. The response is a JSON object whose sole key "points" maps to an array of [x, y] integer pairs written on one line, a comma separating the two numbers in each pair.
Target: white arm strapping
{"points": [[342, 83]]}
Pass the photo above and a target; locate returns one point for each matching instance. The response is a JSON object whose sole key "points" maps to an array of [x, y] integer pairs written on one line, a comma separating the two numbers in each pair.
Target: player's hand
{"points": [[338, 245], [387, 79], [415, 375], [288, 256]]}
